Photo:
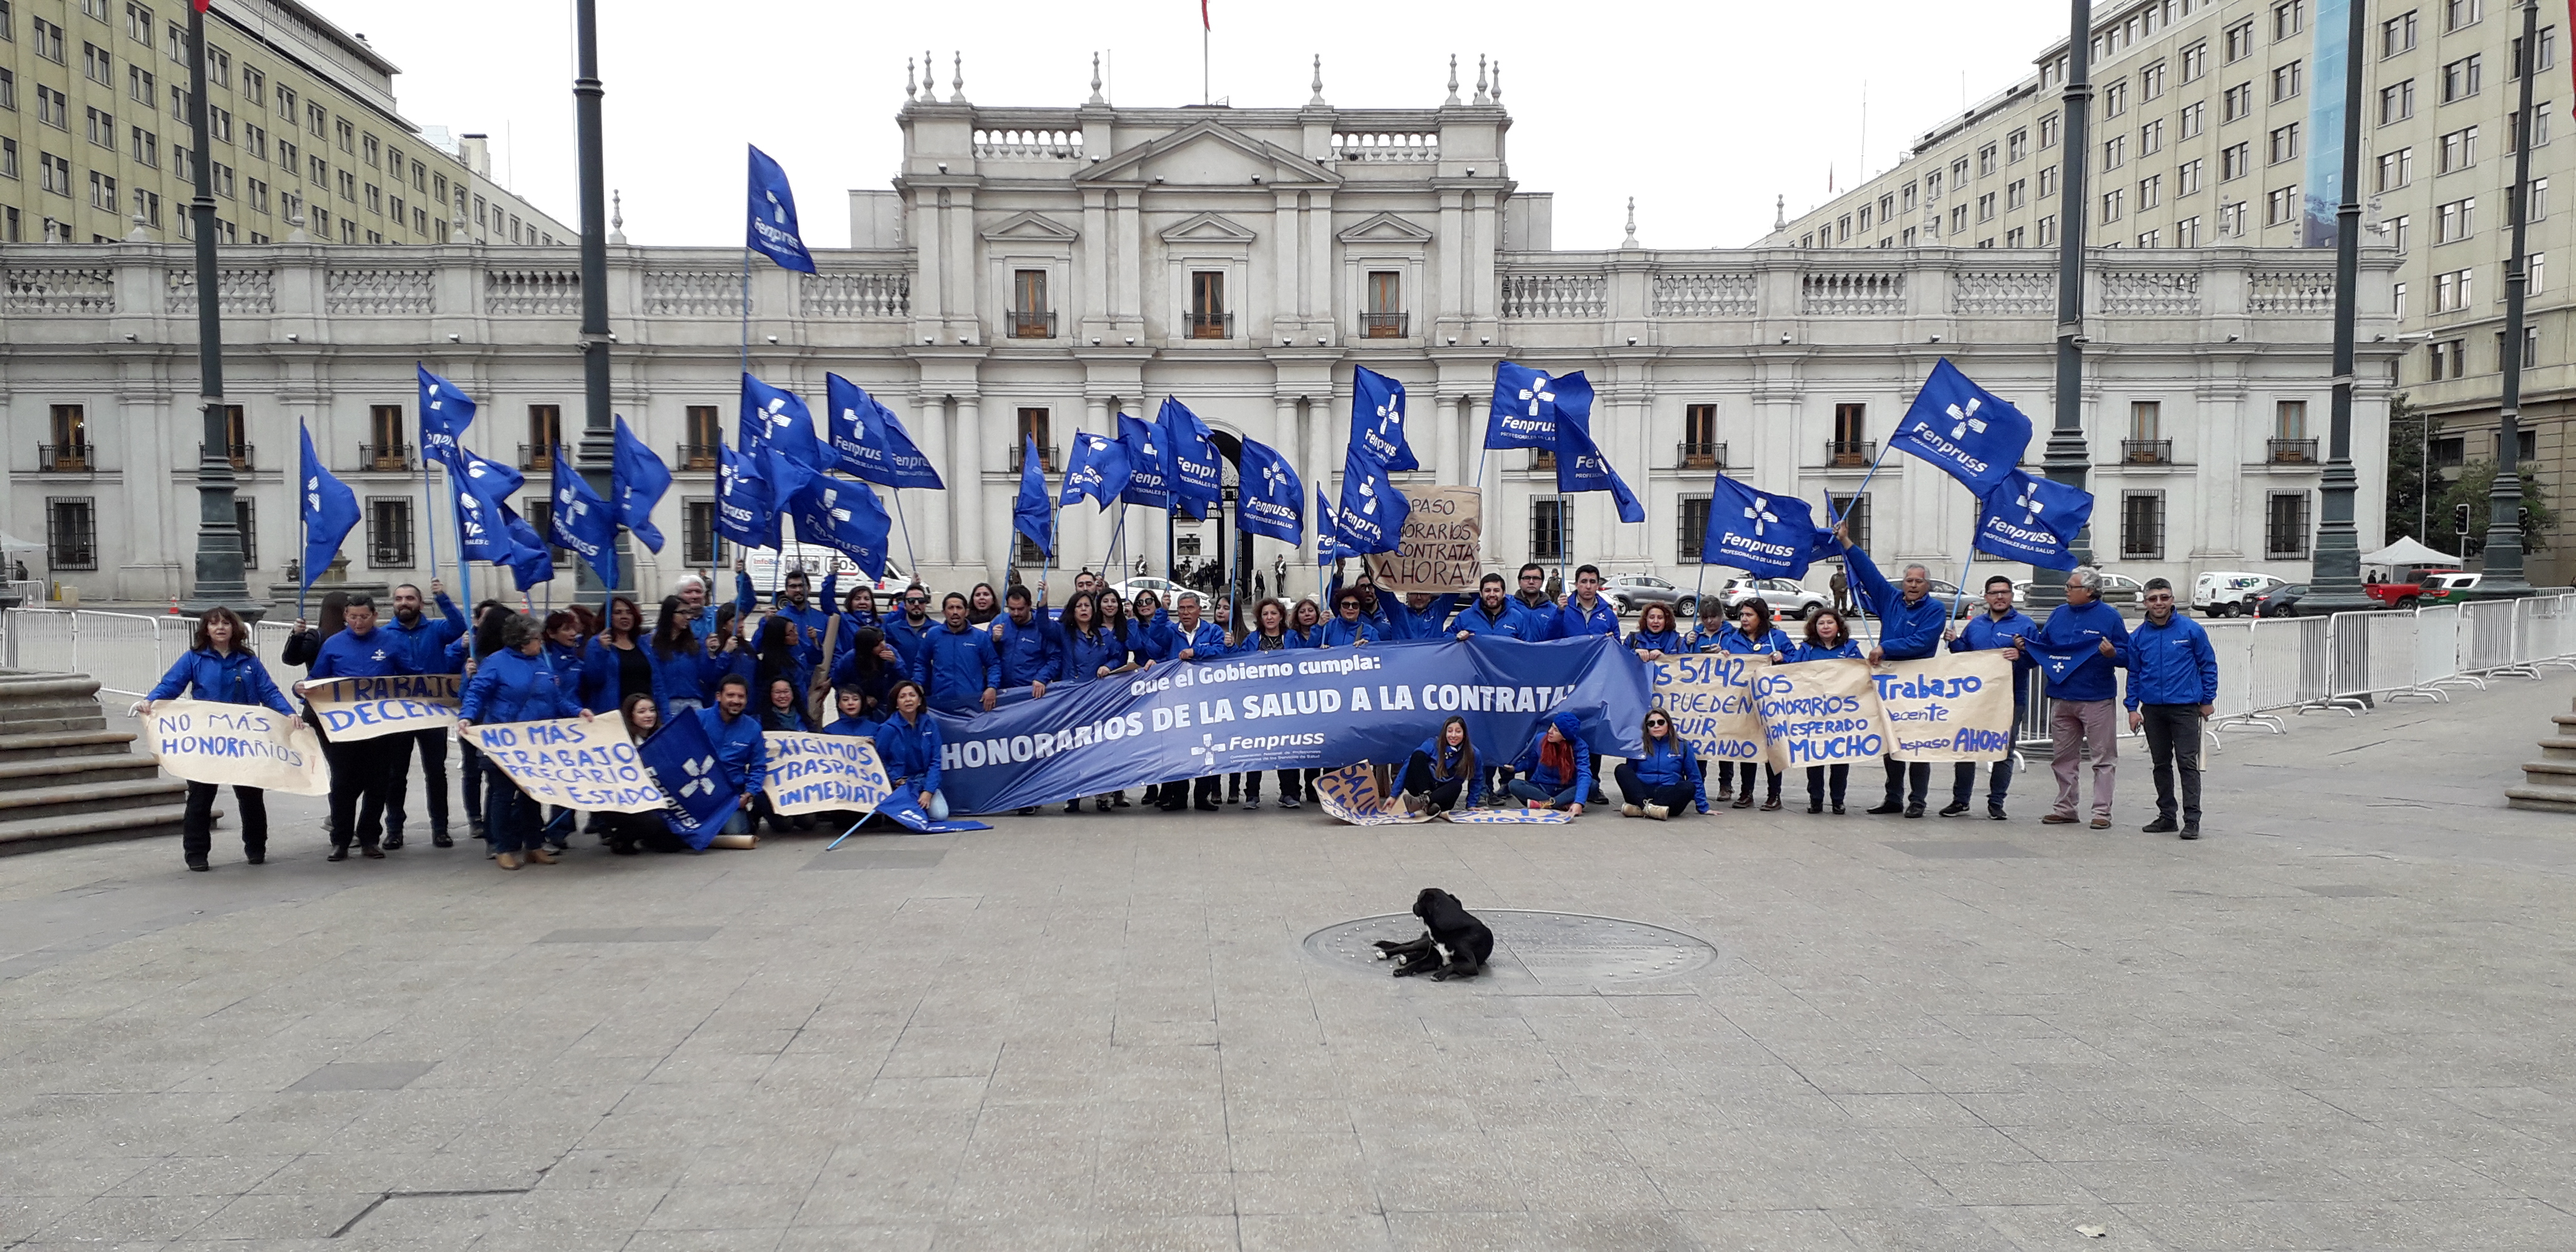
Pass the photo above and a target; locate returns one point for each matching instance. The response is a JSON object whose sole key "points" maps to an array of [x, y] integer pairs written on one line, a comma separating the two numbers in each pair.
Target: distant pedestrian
{"points": [[2173, 686]]}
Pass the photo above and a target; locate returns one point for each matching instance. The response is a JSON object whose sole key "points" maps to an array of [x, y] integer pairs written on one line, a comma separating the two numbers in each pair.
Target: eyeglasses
{"points": [[1653, 722]]}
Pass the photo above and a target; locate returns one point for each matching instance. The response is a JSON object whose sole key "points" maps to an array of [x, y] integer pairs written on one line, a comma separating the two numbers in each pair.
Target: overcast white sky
{"points": [[1703, 111]]}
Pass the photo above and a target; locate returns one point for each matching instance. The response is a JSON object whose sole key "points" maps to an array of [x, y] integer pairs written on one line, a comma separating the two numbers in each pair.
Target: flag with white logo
{"points": [[869, 443], [847, 518], [1272, 501], [744, 513], [1763, 534], [531, 561], [1328, 530], [1029, 512], [1527, 404], [1197, 482], [329, 508], [636, 481], [1098, 469], [1149, 463], [1966, 430], [2033, 519], [445, 412], [478, 487], [1581, 466], [1372, 515], [1377, 421], [771, 229], [580, 522], [777, 431], [684, 765]]}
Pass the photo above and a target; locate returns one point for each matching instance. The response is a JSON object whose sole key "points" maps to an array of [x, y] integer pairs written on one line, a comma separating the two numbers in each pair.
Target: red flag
{"points": [[1203, 14], [203, 5]]}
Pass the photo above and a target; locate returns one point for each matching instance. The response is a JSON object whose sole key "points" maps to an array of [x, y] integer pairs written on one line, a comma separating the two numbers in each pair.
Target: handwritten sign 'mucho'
{"points": [[352, 709], [1438, 550]]}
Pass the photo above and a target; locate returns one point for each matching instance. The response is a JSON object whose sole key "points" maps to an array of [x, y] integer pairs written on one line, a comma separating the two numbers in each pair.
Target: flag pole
{"points": [[304, 533], [906, 523]]}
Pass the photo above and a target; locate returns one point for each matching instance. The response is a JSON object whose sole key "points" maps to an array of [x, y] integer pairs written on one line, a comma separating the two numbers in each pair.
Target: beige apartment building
{"points": [[2205, 119], [95, 145]]}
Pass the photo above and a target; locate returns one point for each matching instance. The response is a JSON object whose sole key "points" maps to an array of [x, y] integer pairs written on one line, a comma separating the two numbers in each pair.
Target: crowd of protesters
{"points": [[843, 664]]}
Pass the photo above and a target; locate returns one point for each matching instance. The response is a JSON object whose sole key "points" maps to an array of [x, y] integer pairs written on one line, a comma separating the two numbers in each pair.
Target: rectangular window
{"points": [[2530, 357], [2281, 205], [1958, 218], [1864, 219], [1033, 425], [2289, 18], [2396, 169], [372, 152], [96, 65], [1850, 445], [2284, 144], [347, 135], [46, 40], [2048, 181], [2187, 179], [2396, 102], [2151, 193], [1208, 318], [139, 24], [2194, 120], [1985, 160], [2540, 199], [147, 148], [2460, 79], [2048, 130], [1907, 194], [1986, 207], [2112, 202], [2449, 359], [2286, 81], [2397, 35], [2017, 145], [102, 129], [2539, 120], [1853, 510], [2151, 81], [2397, 301], [53, 108], [8, 89], [2187, 233], [2115, 99], [2048, 230], [102, 192], [2146, 420], [2455, 221], [545, 430], [699, 543], [2016, 193], [2290, 419], [2014, 237], [1548, 527], [147, 205], [2236, 103], [2240, 41], [9, 165], [2459, 13], [2459, 149], [55, 173], [71, 533], [2451, 291], [389, 533], [2142, 526], [2285, 526], [1694, 526], [1031, 316], [2151, 138], [286, 104], [2115, 151], [246, 520], [70, 429]]}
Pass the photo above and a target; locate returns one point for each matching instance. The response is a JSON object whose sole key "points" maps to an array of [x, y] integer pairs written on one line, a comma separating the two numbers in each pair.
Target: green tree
{"points": [[2406, 433], [2470, 489]]}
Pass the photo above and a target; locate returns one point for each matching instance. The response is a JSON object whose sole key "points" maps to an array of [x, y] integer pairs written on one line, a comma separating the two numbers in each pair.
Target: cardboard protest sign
{"points": [[810, 773], [1508, 817], [587, 765], [237, 745], [1821, 713], [1437, 551], [1952, 706], [353, 709], [1710, 699], [1352, 794]]}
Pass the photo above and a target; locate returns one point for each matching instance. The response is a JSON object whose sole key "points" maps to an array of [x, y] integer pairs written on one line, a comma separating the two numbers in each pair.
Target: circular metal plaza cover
{"points": [[1532, 950]]}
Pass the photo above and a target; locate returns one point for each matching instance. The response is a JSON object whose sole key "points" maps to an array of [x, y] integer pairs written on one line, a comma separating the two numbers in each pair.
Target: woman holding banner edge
{"points": [[1752, 634], [1827, 640], [220, 668], [515, 684]]}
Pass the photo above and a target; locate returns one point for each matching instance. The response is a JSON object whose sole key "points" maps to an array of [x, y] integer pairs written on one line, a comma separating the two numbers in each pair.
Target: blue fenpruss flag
{"points": [[771, 229], [1765, 535], [531, 561], [1196, 481], [1098, 469], [478, 487], [1377, 421], [637, 479], [1527, 404], [1372, 515], [1149, 463], [869, 443], [775, 421], [1029, 512], [701, 795], [1272, 501], [445, 412], [847, 518], [2032, 519], [1581, 467], [744, 511], [1966, 430], [582, 523], [329, 508]]}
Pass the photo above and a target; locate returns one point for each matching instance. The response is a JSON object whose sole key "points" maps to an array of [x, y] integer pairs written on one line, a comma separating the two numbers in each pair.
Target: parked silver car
{"points": [[1628, 593], [1787, 596]]}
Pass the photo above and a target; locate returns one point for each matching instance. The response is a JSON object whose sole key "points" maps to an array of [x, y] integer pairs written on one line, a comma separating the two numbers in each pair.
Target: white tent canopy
{"points": [[2408, 552]]}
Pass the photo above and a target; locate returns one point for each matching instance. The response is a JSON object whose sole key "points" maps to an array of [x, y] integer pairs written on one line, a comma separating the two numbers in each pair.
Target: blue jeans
{"points": [[938, 806], [1528, 790], [510, 818], [1963, 782]]}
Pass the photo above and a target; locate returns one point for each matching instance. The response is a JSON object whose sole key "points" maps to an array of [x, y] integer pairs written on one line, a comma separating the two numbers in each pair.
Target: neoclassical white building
{"points": [[1043, 269]]}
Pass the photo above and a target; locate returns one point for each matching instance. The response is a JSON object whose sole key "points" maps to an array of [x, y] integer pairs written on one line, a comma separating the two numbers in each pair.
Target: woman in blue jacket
{"points": [[1442, 774], [1555, 770], [1269, 634], [1667, 777], [1306, 624], [220, 669], [908, 746], [1654, 637], [618, 662], [515, 684], [676, 651], [1753, 635], [866, 670], [1827, 640]]}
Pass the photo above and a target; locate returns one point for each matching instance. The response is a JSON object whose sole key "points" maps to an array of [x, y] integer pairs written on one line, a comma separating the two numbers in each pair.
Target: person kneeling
{"points": [[908, 745], [1667, 777], [1440, 769], [1555, 770]]}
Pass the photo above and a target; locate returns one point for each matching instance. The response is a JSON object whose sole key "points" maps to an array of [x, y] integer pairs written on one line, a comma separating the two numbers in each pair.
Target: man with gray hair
{"points": [[2081, 715], [1910, 624]]}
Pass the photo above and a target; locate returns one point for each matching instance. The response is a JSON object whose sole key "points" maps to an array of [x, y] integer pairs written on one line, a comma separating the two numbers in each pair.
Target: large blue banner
{"points": [[1306, 709]]}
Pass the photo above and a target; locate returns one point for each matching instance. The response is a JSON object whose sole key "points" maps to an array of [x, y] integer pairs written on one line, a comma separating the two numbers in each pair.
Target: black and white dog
{"points": [[1455, 945]]}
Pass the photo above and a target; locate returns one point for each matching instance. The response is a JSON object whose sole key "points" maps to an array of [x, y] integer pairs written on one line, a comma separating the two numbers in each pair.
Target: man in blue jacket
{"points": [[2000, 629], [909, 633], [1031, 648], [1193, 639], [1585, 612], [740, 750], [2079, 711], [794, 602], [964, 672], [2173, 674], [1492, 613], [422, 641], [1910, 623], [366, 774]]}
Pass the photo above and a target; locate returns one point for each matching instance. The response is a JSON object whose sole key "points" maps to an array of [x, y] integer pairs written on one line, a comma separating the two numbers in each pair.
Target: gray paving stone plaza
{"points": [[2341, 1021]]}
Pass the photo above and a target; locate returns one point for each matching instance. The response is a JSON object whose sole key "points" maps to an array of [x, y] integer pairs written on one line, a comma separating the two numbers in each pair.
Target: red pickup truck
{"points": [[2402, 593]]}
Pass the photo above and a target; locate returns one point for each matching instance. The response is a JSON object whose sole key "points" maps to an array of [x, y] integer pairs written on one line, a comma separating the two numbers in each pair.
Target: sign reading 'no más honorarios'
{"points": [[1437, 552], [237, 745], [352, 709]]}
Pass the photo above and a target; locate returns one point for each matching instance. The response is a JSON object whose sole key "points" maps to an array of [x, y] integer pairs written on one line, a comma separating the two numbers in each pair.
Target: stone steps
{"points": [[65, 778], [75, 771], [2549, 784], [98, 826]]}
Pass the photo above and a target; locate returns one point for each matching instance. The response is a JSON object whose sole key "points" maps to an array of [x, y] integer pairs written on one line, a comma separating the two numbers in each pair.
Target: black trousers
{"points": [[433, 777], [473, 780], [1290, 784], [1816, 782], [362, 773], [1726, 771], [1674, 796], [1418, 780], [2173, 741], [197, 829], [1963, 782], [1903, 776]]}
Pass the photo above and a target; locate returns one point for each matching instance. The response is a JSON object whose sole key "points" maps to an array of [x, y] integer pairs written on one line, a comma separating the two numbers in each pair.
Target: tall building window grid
{"points": [[2397, 34], [2452, 291], [2187, 233], [2396, 102], [2538, 123], [2281, 205], [2236, 103], [2289, 17], [2239, 41], [2187, 179], [2460, 79], [2459, 150], [2396, 169], [2287, 80], [2455, 220], [2399, 228], [2151, 138], [2457, 14], [2193, 121], [2195, 62], [2234, 161]]}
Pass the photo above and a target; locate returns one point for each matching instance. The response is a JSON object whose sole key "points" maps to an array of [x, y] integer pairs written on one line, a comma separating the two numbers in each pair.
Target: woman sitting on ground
{"points": [[908, 745], [1555, 770], [630, 833], [1441, 770], [1667, 777]]}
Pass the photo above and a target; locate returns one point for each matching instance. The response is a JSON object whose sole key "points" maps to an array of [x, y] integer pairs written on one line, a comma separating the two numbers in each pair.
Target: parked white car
{"points": [[2229, 593], [768, 567]]}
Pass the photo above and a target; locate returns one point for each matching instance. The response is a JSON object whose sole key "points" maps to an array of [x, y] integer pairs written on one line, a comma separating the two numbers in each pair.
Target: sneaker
{"points": [[1290, 802], [1817, 806], [2161, 826], [1955, 808], [1659, 812], [1914, 810], [1631, 810], [2058, 819], [392, 843], [1889, 807], [1995, 814], [2191, 832], [1252, 804]]}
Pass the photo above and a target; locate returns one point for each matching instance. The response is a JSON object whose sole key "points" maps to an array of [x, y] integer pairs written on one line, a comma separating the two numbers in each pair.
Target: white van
{"points": [[2226, 593], [768, 567]]}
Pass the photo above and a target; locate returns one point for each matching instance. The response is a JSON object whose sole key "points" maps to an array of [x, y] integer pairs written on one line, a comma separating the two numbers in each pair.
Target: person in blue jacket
{"points": [[1383, 626], [1752, 634], [851, 715], [1349, 627], [1554, 771], [869, 670], [1092, 650], [965, 672], [618, 661], [908, 745], [1030, 646], [2173, 686], [367, 775], [1713, 625], [1443, 773], [734, 731], [1654, 638], [515, 684], [1491, 614], [219, 668], [1910, 625], [793, 602], [1667, 777], [1828, 639], [1193, 639], [1999, 629], [1419, 615], [422, 640], [2080, 704], [1306, 624], [1268, 640], [1585, 612], [908, 632], [675, 653]]}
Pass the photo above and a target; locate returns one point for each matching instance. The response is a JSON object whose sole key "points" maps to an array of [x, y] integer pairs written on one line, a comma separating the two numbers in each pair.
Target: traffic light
{"points": [[2460, 519]]}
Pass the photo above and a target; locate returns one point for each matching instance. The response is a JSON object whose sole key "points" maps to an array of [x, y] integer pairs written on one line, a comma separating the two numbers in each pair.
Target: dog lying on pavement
{"points": [[1454, 945]]}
